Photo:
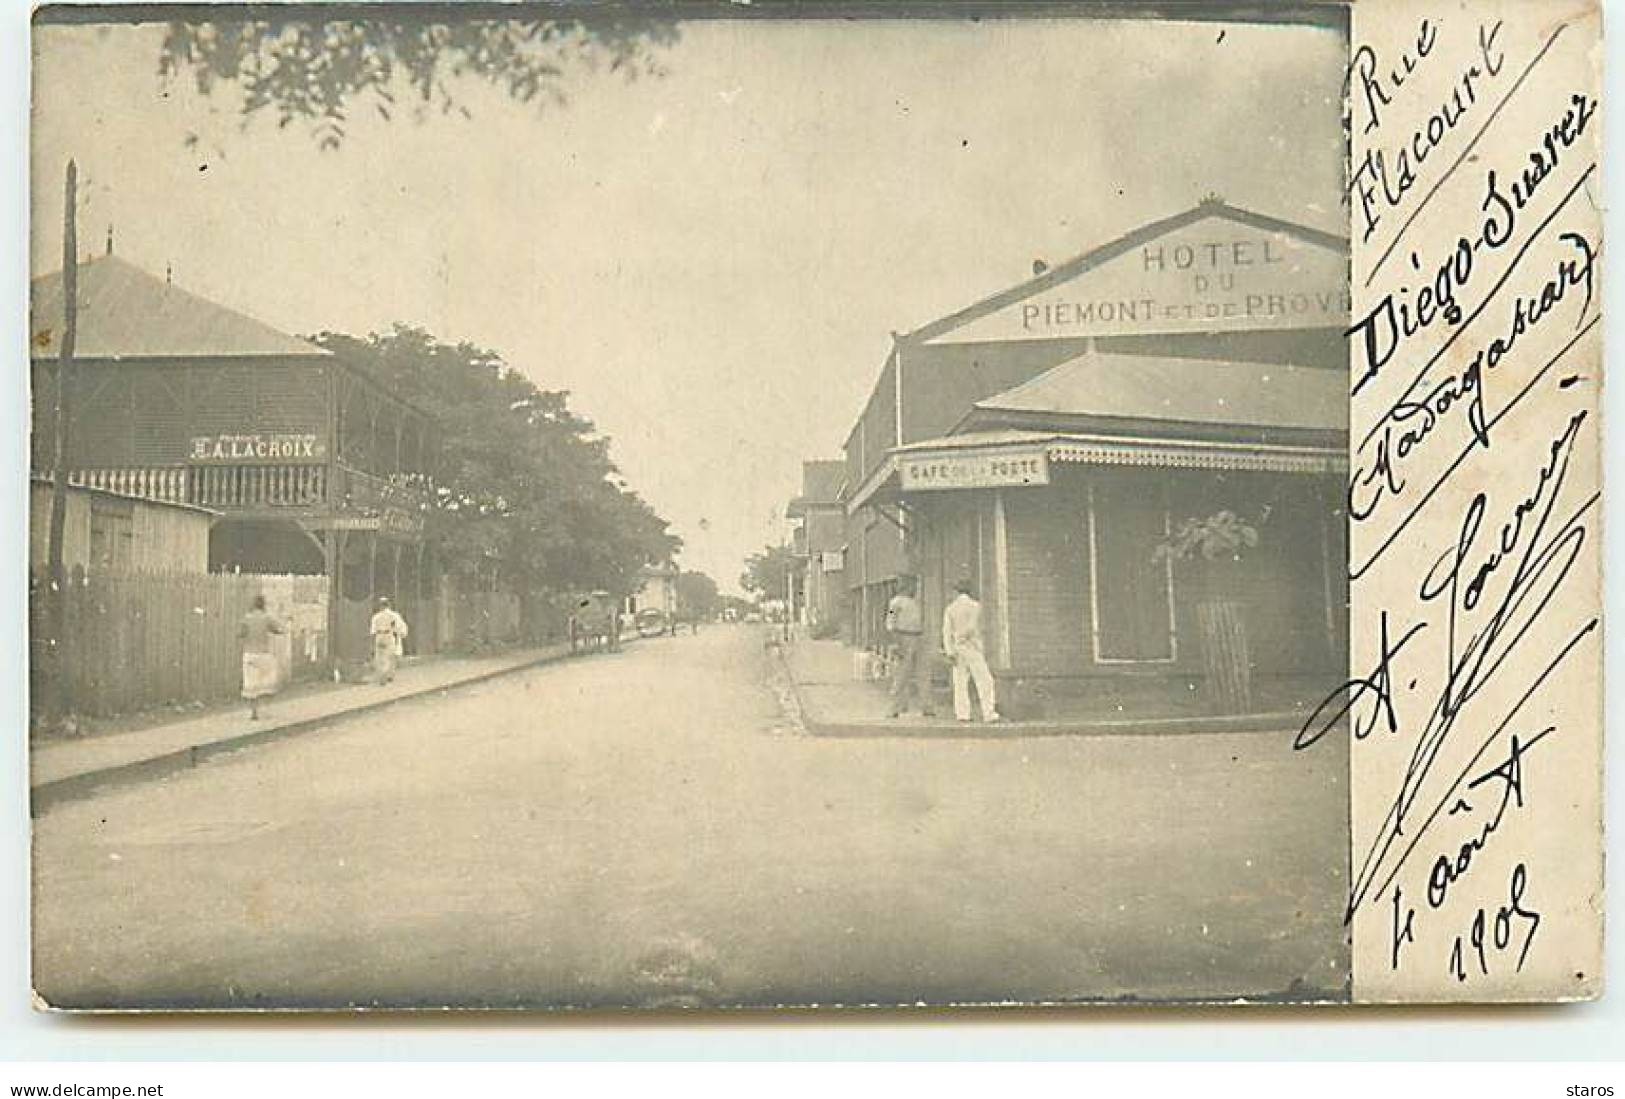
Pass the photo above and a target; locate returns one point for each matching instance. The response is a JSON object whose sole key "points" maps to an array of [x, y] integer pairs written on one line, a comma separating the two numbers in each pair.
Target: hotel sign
{"points": [[258, 447], [1210, 276], [1004, 469]]}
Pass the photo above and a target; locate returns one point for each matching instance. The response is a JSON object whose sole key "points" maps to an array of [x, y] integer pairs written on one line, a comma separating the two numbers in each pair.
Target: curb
{"points": [[1016, 730], [789, 697], [56, 791]]}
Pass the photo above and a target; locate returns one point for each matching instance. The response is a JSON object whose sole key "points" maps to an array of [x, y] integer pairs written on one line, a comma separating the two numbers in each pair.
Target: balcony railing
{"points": [[263, 488], [230, 488], [169, 484]]}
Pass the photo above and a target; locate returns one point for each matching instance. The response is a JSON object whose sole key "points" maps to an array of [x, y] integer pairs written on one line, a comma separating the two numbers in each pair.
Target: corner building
{"points": [[1044, 441]]}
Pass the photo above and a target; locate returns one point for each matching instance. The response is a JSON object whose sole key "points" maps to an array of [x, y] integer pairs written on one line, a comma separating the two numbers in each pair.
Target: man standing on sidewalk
{"points": [[912, 672], [962, 640], [388, 631]]}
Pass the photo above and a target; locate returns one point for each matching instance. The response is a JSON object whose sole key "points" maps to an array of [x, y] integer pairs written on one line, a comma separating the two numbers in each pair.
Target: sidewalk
{"points": [[71, 767], [833, 703]]}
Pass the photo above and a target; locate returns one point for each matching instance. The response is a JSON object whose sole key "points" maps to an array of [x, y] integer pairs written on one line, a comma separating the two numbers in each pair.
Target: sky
{"points": [[710, 262]]}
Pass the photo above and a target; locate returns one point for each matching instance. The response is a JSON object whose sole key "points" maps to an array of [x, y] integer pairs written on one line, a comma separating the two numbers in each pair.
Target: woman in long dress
{"points": [[260, 671], [388, 631]]}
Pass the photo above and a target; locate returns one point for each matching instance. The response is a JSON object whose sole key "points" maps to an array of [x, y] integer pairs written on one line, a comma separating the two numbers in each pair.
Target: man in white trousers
{"points": [[962, 641]]}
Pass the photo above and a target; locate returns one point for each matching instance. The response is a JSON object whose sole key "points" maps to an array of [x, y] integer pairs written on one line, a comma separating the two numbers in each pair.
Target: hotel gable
{"points": [[1138, 458]]}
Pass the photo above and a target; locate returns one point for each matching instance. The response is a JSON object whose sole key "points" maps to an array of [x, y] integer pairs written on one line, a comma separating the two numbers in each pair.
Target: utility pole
{"points": [[61, 702], [789, 592]]}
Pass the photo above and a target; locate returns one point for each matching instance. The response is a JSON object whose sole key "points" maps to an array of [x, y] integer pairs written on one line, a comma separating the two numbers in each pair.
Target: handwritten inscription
{"points": [[1385, 175], [1408, 423], [1449, 868], [1494, 934], [1397, 318], [1472, 495]]}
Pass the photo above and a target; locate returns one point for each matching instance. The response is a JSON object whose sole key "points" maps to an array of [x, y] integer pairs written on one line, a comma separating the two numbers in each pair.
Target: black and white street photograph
{"points": [[688, 506]]}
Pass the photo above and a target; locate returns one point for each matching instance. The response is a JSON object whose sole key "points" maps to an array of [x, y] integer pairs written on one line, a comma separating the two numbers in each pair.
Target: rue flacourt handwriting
{"points": [[1386, 173]]}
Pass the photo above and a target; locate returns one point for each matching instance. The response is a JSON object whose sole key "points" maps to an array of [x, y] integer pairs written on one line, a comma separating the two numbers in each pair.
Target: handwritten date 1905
{"points": [[1492, 933]]}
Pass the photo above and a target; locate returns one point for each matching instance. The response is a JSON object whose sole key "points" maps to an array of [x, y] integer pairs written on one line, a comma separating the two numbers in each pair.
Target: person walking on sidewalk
{"points": [[962, 641], [388, 631], [260, 670], [912, 672]]}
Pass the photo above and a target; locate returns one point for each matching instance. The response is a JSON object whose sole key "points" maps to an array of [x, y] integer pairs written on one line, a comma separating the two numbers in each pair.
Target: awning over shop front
{"points": [[1014, 458]]}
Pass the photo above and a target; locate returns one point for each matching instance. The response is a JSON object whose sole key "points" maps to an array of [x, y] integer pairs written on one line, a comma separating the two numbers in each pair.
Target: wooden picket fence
{"points": [[143, 640], [136, 641]]}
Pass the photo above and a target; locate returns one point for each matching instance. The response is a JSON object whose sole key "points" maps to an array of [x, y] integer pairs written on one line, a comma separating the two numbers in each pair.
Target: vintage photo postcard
{"points": [[735, 506]]}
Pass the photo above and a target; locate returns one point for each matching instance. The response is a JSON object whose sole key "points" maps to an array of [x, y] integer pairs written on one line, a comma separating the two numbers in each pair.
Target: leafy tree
{"points": [[300, 67], [697, 594], [766, 572], [520, 479]]}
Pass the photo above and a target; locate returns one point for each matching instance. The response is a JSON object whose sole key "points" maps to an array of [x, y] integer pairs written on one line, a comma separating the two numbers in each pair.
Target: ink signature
{"points": [[1541, 550]]}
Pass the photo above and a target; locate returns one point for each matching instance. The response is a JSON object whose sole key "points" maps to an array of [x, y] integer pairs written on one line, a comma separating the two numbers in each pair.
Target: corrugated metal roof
{"points": [[124, 312], [1207, 392], [821, 480]]}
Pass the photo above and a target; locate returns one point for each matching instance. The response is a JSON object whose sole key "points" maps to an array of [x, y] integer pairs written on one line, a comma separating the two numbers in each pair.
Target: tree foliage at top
{"points": [[521, 483], [766, 573], [319, 71], [697, 595]]}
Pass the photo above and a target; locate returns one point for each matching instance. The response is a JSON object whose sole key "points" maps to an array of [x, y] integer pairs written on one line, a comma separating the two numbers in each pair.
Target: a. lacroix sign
{"points": [[258, 447]]}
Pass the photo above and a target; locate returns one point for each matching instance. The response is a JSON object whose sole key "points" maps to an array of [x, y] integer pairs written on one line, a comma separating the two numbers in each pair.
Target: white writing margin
{"points": [[1474, 698]]}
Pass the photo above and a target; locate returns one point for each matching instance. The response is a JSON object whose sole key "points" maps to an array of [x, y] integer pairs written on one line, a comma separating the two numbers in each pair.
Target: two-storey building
{"points": [[308, 464], [819, 544]]}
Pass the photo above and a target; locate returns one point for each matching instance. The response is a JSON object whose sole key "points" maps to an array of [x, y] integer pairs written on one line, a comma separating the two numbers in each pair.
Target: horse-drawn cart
{"points": [[595, 624]]}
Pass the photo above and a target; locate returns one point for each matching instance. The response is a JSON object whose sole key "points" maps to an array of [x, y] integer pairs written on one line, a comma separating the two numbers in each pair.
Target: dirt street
{"points": [[645, 828]]}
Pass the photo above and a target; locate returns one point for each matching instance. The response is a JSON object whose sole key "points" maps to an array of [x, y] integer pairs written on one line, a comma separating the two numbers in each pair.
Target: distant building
{"points": [[308, 462], [819, 545], [657, 592], [1044, 441], [109, 532]]}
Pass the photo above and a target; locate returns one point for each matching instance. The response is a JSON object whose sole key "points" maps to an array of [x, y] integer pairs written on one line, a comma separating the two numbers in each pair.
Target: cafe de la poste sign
{"points": [[999, 469], [1215, 274]]}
